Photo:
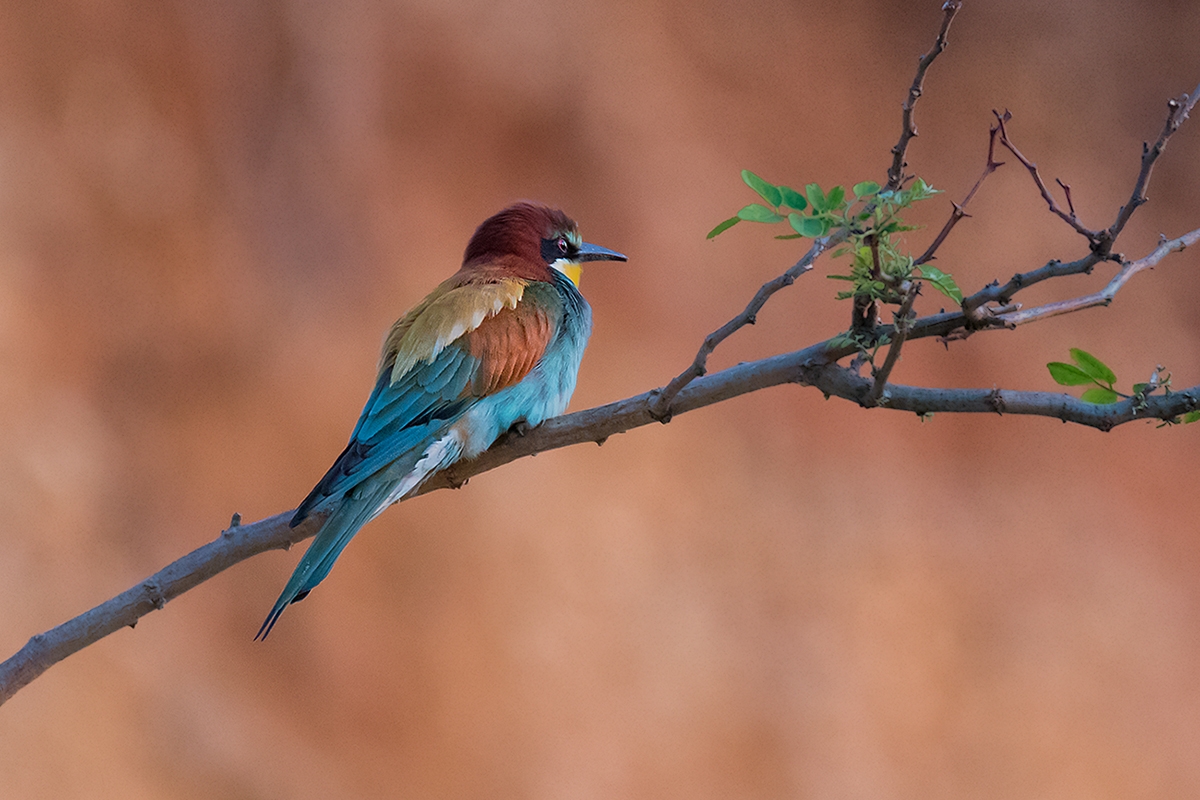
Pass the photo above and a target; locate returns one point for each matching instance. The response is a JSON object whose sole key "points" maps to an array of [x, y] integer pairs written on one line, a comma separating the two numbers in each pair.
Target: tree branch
{"points": [[661, 405], [908, 129], [842, 382], [1093, 237], [902, 327], [1177, 113], [1105, 296], [960, 211], [815, 365]]}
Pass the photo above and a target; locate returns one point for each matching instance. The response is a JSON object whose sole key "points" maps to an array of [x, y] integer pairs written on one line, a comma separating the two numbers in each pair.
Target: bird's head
{"points": [[527, 240]]}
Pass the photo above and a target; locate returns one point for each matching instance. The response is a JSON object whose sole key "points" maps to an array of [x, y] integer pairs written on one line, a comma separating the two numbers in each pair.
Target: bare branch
{"points": [[1092, 236], [960, 210], [235, 544], [661, 405], [1105, 296], [1177, 113], [908, 129], [902, 327], [1003, 293]]}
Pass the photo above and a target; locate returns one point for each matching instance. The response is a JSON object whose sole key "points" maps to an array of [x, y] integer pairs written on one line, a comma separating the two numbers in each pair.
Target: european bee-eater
{"points": [[496, 344]]}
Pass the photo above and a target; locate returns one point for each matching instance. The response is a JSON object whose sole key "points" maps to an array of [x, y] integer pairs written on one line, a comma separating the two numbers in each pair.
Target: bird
{"points": [[496, 345]]}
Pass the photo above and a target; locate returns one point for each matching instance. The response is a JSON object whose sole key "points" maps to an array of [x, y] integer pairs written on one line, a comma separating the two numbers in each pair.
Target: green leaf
{"points": [[1191, 416], [724, 226], [756, 213], [789, 236], [766, 190], [834, 199], [811, 227], [793, 199], [1140, 388], [1100, 396], [815, 196], [1093, 366], [943, 282], [865, 189], [1068, 374]]}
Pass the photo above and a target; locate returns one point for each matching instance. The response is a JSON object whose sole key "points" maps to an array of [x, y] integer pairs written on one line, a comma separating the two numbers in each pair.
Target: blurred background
{"points": [[211, 212]]}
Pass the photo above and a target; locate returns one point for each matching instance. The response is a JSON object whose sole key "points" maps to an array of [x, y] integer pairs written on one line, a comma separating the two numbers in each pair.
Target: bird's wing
{"points": [[459, 345]]}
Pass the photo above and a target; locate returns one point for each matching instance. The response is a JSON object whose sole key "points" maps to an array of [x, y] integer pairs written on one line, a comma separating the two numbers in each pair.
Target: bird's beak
{"points": [[594, 252]]}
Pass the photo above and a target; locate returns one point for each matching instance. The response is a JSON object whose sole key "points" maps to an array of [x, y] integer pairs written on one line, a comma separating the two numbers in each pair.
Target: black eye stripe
{"points": [[556, 247]]}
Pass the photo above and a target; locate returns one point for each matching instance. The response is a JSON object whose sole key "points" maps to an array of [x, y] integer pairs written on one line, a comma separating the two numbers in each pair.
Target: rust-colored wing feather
{"points": [[506, 347]]}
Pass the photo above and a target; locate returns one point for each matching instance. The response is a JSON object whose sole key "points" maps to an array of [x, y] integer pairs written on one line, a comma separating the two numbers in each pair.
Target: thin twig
{"points": [[903, 325], [1105, 296], [1177, 113], [908, 128], [1071, 219], [660, 407], [1066, 187], [1003, 293], [960, 210], [864, 309]]}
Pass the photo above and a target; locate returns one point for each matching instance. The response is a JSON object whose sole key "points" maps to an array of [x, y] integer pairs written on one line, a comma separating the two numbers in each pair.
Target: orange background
{"points": [[210, 213]]}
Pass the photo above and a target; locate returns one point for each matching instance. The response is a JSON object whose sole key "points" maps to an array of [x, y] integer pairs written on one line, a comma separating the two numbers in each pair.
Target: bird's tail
{"points": [[337, 531]]}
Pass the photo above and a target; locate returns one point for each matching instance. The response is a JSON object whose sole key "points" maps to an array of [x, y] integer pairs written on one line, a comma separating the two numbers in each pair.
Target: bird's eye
{"points": [[563, 246]]}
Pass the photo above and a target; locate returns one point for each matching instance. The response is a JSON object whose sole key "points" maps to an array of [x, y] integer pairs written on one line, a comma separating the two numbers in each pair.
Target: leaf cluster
{"points": [[870, 215], [785, 203]]}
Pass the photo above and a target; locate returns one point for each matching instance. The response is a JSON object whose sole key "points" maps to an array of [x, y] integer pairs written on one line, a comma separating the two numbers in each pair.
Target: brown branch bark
{"points": [[902, 327], [908, 129], [1105, 296], [1071, 219], [661, 404], [1177, 113], [960, 211]]}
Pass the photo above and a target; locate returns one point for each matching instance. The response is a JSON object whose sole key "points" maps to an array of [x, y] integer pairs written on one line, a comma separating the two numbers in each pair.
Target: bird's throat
{"points": [[574, 272]]}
